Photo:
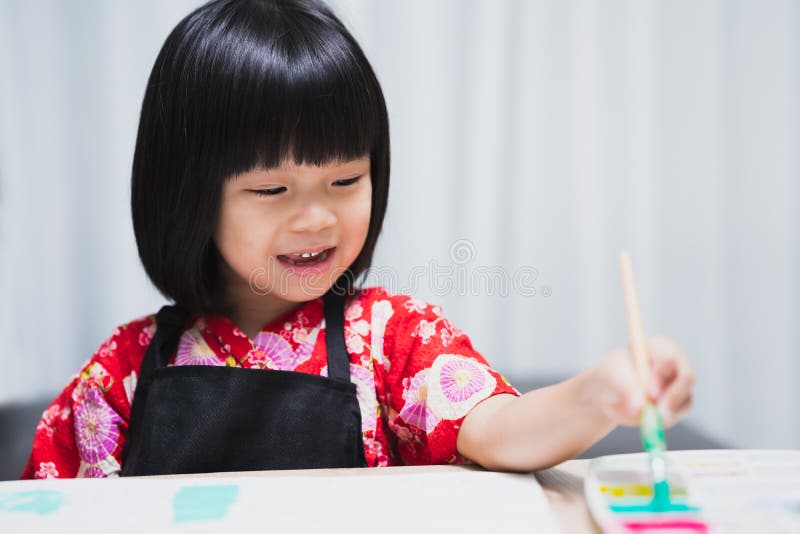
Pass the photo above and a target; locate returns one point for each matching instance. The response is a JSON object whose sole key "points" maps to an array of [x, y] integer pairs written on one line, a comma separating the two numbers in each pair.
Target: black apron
{"points": [[201, 419]]}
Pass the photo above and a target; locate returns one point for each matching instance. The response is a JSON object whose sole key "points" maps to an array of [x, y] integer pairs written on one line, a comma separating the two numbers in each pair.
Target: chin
{"points": [[303, 293]]}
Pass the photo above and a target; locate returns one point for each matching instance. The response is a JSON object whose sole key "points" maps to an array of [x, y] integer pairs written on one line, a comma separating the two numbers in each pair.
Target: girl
{"points": [[259, 186]]}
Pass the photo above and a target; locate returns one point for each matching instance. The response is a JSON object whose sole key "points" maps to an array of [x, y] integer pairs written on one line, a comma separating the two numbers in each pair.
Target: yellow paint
{"points": [[635, 490]]}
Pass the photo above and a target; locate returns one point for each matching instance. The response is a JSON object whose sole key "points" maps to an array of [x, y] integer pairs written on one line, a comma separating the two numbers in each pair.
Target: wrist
{"points": [[592, 398]]}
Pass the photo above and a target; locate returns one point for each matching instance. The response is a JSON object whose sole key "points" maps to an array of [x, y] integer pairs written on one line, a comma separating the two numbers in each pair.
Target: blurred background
{"points": [[531, 141]]}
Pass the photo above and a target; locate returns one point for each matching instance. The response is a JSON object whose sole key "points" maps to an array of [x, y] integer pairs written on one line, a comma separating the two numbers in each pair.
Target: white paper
{"points": [[462, 501]]}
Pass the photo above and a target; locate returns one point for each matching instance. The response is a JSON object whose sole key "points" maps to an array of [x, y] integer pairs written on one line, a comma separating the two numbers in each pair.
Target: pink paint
{"points": [[687, 525]]}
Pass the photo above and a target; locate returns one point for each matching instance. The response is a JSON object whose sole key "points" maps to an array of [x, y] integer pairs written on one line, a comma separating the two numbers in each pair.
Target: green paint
{"points": [[203, 503], [39, 502], [652, 430]]}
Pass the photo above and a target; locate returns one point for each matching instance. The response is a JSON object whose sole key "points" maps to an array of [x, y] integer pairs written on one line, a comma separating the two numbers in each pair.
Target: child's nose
{"points": [[313, 218]]}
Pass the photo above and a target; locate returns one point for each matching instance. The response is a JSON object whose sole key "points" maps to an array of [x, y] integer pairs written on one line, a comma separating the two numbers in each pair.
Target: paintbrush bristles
{"points": [[641, 359]]}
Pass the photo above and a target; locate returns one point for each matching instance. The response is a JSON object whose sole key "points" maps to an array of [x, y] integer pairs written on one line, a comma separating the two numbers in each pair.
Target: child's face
{"points": [[268, 219]]}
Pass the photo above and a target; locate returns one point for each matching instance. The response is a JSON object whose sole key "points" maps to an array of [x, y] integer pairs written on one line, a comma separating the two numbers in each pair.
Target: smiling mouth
{"points": [[306, 258]]}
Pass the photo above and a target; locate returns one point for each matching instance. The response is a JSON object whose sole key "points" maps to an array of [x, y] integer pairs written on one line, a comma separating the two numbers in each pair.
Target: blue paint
{"points": [[39, 502], [203, 503]]}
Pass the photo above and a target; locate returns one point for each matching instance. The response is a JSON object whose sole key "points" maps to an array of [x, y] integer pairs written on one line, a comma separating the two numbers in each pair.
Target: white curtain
{"points": [[531, 141]]}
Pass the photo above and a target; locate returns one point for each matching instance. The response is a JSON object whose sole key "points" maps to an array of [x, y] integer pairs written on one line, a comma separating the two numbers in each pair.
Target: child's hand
{"points": [[614, 384]]}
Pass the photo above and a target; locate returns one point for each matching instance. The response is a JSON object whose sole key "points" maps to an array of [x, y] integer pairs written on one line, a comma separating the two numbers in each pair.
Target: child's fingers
{"points": [[671, 418], [679, 392], [668, 362]]}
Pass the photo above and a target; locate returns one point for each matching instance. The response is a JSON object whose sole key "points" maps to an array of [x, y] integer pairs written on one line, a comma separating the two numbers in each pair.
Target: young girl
{"points": [[259, 186]]}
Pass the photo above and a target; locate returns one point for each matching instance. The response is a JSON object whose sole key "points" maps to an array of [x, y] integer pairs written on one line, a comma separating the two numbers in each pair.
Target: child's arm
{"points": [[549, 425]]}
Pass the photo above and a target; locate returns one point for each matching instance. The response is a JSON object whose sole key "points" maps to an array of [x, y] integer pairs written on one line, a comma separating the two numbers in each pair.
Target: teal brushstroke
{"points": [[39, 502], [648, 507], [661, 500], [203, 503]]}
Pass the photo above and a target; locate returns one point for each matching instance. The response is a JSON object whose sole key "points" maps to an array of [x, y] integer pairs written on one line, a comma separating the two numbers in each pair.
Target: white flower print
{"points": [[381, 313], [415, 305], [299, 335], [425, 330], [353, 312], [46, 470], [355, 344], [146, 335], [360, 327], [129, 383]]}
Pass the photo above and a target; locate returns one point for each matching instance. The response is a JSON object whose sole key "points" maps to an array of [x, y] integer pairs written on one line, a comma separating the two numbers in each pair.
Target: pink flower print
{"points": [[257, 357], [97, 374], [414, 305], [415, 411], [425, 330], [353, 312], [193, 350], [456, 384], [92, 471], [367, 399], [287, 326], [277, 351], [303, 352], [299, 335], [46, 470], [460, 379], [365, 391], [96, 427], [437, 311]]}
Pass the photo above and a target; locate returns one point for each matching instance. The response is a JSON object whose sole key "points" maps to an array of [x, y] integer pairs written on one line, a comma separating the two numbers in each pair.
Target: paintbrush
{"points": [[651, 426]]}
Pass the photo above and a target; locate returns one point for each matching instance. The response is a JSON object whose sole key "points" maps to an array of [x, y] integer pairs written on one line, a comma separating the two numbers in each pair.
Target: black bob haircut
{"points": [[238, 85]]}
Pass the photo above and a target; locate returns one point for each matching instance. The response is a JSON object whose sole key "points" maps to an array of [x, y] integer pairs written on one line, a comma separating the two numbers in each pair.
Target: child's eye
{"points": [[347, 181], [269, 192]]}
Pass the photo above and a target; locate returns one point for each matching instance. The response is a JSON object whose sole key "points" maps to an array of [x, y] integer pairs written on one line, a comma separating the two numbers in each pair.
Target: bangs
{"points": [[279, 86]]}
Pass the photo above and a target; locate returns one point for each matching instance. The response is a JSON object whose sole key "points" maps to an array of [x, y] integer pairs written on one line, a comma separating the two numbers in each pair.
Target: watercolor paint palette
{"points": [[725, 491]]}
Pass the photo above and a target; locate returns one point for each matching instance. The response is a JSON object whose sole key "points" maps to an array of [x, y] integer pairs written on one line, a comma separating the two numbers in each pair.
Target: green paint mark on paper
{"points": [[203, 503], [39, 502]]}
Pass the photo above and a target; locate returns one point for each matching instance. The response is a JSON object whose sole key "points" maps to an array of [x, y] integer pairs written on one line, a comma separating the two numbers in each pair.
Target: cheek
{"points": [[359, 214], [242, 236]]}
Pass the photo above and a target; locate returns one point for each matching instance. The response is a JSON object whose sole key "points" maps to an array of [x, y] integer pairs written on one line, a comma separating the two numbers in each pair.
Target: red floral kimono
{"points": [[416, 377]]}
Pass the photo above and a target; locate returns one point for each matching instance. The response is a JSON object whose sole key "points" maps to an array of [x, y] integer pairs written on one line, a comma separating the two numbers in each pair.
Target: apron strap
{"points": [[338, 361], [170, 322]]}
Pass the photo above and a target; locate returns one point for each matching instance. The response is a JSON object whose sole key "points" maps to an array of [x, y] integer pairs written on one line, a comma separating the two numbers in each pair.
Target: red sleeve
{"points": [[432, 377], [82, 432]]}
